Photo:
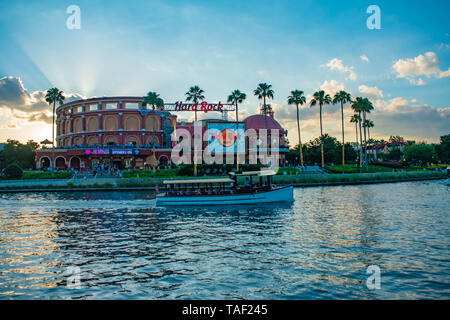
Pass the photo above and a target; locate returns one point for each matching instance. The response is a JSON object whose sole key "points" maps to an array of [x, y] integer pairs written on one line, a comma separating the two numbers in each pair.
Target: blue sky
{"points": [[132, 47]]}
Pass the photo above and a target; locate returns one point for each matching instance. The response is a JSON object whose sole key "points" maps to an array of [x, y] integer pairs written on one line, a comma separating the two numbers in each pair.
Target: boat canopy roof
{"points": [[261, 173], [198, 181]]}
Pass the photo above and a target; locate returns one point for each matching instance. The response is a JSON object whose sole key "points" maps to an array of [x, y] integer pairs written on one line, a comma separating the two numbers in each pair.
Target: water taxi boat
{"points": [[225, 191]]}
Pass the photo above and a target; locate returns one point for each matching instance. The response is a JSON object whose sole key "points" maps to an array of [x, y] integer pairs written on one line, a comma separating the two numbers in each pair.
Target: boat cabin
{"points": [[236, 183]]}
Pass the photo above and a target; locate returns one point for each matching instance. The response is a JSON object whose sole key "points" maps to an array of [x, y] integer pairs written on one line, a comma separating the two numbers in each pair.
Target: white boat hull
{"points": [[284, 194]]}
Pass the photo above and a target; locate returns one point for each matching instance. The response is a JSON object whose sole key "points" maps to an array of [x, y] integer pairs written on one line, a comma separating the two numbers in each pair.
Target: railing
{"points": [[97, 146]]}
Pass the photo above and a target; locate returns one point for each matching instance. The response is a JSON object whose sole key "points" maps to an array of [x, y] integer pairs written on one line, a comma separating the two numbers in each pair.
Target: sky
{"points": [[133, 47]]}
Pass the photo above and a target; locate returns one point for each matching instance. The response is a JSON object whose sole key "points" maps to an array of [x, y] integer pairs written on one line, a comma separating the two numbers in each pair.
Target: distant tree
{"points": [[321, 98], [195, 94], [53, 96], [331, 149], [443, 149], [237, 97], [23, 154], [394, 154], [342, 97], [264, 91], [153, 99], [13, 171], [297, 98], [420, 152], [396, 139]]}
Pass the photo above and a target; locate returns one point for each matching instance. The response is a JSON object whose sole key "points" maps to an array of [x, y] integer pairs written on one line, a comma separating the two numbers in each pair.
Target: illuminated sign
{"points": [[199, 106], [107, 152], [96, 151], [223, 137]]}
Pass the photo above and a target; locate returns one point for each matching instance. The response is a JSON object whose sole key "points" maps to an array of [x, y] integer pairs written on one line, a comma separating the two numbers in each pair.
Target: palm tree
{"points": [[356, 118], [154, 100], [297, 98], [264, 91], [195, 94], [321, 98], [369, 124], [366, 108], [237, 97], [54, 95], [342, 97], [358, 106]]}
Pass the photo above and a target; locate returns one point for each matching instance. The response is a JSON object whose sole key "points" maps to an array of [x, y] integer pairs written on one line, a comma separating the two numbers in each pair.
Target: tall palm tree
{"points": [[366, 108], [369, 124], [264, 91], [154, 100], [321, 98], [237, 97], [195, 94], [342, 97], [297, 98], [358, 107], [356, 118], [53, 96]]}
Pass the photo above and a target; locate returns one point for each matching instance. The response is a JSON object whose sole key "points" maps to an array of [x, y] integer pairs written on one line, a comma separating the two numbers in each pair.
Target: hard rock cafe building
{"points": [[119, 132]]}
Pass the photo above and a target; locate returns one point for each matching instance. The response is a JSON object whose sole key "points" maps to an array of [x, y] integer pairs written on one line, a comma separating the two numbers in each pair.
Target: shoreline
{"points": [[152, 188]]}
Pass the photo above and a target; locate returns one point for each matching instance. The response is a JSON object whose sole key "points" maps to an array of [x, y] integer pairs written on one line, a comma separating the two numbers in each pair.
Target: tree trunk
{"points": [[267, 133], [154, 142], [360, 145], [237, 138], [343, 142], [299, 139], [53, 138], [365, 141], [321, 136]]}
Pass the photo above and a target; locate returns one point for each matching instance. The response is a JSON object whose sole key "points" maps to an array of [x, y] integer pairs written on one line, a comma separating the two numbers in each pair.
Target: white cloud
{"points": [[370, 92], [331, 87], [444, 74], [24, 105], [337, 64], [364, 58], [421, 65], [413, 121], [418, 82]]}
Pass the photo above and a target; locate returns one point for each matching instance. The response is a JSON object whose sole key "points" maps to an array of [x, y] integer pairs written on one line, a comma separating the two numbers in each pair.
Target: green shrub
{"points": [[30, 175], [13, 171]]}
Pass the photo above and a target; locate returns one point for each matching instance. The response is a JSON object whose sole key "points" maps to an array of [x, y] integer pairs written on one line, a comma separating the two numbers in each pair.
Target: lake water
{"points": [[318, 247]]}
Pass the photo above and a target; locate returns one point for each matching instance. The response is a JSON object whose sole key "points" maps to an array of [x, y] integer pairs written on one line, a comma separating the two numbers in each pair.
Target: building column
{"points": [[100, 124], [120, 121]]}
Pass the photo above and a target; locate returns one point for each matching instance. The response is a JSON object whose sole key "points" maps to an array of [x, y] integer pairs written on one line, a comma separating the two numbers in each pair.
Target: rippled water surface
{"points": [[318, 247]]}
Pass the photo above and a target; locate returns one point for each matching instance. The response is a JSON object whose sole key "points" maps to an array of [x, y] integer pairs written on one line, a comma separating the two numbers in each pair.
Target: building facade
{"points": [[110, 130], [119, 132]]}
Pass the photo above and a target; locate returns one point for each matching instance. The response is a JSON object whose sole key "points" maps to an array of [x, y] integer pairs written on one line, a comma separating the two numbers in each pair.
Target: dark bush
{"points": [[13, 171]]}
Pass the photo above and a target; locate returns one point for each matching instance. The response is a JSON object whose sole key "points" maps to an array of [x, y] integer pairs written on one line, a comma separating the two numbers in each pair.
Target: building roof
{"points": [[198, 181], [257, 122], [261, 173]]}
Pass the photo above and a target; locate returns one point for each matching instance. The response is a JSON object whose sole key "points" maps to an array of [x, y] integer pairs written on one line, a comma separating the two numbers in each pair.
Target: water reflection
{"points": [[317, 247]]}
